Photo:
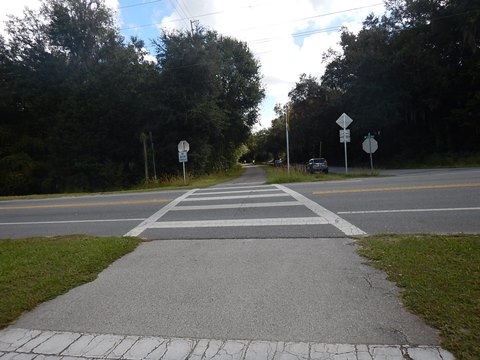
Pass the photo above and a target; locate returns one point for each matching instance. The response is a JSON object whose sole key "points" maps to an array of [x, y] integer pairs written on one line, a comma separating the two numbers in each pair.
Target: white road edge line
{"points": [[239, 222], [67, 222], [237, 206], [152, 219], [406, 210], [332, 218]]}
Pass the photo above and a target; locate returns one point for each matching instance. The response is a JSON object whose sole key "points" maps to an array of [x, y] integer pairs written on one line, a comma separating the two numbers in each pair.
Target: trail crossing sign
{"points": [[183, 146], [344, 121]]}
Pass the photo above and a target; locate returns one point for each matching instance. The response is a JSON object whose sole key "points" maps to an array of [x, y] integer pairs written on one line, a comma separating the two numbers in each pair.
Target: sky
{"points": [[287, 37]]}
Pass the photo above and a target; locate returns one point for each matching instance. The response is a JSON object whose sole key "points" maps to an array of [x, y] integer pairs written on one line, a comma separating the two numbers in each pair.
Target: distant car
{"points": [[317, 164]]}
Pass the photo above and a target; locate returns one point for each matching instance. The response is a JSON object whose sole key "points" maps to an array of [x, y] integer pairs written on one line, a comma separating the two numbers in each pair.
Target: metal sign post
{"points": [[183, 148], [344, 121], [370, 145]]}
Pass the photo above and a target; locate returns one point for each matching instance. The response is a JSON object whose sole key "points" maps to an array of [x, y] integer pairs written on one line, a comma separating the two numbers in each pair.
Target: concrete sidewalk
{"points": [[22, 344]]}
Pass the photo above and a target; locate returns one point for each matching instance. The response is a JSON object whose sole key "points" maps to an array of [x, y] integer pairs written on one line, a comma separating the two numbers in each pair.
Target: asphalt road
{"points": [[436, 201]]}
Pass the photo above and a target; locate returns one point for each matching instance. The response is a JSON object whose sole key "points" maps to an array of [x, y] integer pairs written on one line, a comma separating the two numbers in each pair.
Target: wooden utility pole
{"points": [[143, 138]]}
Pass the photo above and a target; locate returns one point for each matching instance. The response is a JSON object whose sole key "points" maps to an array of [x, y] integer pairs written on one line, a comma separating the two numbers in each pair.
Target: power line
{"points": [[139, 4], [254, 28]]}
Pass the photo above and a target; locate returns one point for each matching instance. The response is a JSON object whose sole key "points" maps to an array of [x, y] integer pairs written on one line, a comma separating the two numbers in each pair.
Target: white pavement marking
{"points": [[67, 222], [332, 219], [213, 189], [239, 222], [237, 197], [246, 184], [147, 223], [233, 192], [407, 210], [69, 345], [237, 206]]}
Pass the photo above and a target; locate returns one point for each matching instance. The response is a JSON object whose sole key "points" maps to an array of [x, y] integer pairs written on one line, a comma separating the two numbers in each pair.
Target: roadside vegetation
{"points": [[119, 113], [165, 183], [35, 270], [440, 278], [192, 181], [279, 175]]}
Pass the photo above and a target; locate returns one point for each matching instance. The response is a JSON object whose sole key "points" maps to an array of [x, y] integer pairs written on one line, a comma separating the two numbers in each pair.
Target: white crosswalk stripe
{"points": [[248, 195]]}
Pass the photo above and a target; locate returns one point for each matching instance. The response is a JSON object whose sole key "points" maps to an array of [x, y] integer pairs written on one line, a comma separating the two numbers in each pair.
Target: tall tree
{"points": [[211, 89], [81, 90]]}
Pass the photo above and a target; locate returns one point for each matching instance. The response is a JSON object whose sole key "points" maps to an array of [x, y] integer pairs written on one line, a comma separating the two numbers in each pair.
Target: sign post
{"points": [[183, 148], [370, 145], [344, 121]]}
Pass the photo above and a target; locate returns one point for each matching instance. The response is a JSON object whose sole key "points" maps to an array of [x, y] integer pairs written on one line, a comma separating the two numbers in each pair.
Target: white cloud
{"points": [[267, 26], [16, 8]]}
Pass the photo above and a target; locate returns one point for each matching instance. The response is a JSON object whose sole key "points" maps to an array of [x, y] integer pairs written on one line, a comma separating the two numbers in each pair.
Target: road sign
{"points": [[370, 145], [344, 121], [344, 135], [182, 156], [183, 146]]}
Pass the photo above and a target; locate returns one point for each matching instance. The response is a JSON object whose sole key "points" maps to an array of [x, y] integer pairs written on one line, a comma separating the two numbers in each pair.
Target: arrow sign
{"points": [[344, 121]]}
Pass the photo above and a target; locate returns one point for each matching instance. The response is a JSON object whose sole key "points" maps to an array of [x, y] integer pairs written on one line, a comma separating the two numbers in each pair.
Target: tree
{"points": [[211, 90], [82, 93]]}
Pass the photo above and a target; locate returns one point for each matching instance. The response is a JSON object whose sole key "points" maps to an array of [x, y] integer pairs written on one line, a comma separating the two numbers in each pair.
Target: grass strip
{"points": [[35, 270], [192, 181], [164, 183], [440, 277], [279, 175]]}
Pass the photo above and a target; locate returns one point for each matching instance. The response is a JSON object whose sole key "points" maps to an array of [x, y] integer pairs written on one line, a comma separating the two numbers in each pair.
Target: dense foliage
{"points": [[411, 78], [77, 101]]}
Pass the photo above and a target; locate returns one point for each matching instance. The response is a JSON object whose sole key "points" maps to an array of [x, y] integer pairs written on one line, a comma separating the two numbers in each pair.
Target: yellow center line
{"points": [[399, 188], [108, 203]]}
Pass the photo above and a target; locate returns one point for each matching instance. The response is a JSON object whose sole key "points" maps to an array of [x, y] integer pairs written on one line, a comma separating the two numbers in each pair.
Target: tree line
{"points": [[78, 102], [410, 77]]}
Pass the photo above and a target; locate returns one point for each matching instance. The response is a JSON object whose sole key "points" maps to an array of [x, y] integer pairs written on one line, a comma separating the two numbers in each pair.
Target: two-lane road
{"points": [[439, 201]]}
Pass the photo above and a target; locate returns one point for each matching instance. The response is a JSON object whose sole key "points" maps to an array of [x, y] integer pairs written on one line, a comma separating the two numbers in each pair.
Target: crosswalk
{"points": [[242, 206]]}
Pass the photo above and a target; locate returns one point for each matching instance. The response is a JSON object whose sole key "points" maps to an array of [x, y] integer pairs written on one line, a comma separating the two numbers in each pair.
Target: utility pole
{"points": [[153, 157], [192, 23], [320, 150], [143, 138], [288, 145]]}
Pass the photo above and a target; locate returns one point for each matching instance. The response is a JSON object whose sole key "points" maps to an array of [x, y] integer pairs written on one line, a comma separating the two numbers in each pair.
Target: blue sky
{"points": [[287, 37]]}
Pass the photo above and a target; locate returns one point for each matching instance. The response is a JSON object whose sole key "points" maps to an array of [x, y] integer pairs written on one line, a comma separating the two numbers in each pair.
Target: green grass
{"points": [[164, 183], [278, 175], [35, 270], [176, 182], [428, 161], [440, 277]]}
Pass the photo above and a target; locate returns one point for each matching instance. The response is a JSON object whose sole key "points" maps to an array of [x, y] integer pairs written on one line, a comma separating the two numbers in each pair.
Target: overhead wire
{"points": [[258, 27], [139, 4]]}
